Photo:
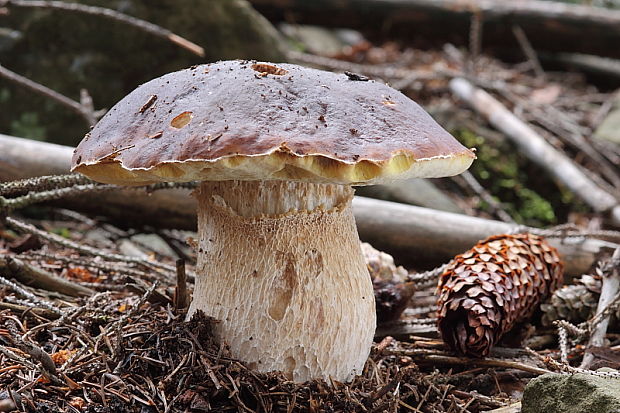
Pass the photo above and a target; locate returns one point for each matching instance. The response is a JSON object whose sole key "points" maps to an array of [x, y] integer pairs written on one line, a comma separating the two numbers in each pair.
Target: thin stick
{"points": [[38, 278], [534, 146], [54, 194], [490, 362], [370, 70], [609, 291], [486, 197], [529, 51], [28, 295], [181, 300], [42, 183], [114, 15], [24, 227], [475, 41], [77, 107]]}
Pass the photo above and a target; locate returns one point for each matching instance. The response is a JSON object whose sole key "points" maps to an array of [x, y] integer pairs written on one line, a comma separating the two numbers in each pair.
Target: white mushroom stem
{"points": [[280, 266]]}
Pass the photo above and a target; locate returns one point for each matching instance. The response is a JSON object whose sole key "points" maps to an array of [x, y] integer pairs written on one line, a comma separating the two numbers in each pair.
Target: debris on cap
{"points": [[248, 120]]}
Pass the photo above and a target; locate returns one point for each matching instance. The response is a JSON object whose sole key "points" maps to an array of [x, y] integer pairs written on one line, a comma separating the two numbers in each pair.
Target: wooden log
{"points": [[420, 192], [415, 235], [424, 236], [536, 148], [549, 25], [24, 158]]}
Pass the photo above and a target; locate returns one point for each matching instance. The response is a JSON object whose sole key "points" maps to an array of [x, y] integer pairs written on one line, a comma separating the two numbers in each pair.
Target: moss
{"points": [[27, 125], [525, 190]]}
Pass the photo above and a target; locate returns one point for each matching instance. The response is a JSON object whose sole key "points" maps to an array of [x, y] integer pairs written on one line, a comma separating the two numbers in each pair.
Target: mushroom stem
{"points": [[280, 265]]}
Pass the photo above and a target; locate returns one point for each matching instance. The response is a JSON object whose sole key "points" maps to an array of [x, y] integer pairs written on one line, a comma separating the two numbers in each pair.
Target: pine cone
{"points": [[576, 303], [392, 293], [487, 290]]}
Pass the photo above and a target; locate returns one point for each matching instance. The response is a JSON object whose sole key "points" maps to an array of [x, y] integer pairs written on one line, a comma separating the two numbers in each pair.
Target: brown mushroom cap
{"points": [[249, 120]]}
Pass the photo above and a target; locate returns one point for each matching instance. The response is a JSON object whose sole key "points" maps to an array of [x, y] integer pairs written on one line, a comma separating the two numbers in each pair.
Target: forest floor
{"points": [[113, 339]]}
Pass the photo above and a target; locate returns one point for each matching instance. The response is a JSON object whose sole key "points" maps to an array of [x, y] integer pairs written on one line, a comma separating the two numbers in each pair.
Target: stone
{"points": [[609, 129], [578, 393]]}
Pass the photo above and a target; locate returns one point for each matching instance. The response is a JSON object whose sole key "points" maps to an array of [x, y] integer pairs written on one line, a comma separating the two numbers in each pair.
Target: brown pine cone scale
{"points": [[498, 283]]}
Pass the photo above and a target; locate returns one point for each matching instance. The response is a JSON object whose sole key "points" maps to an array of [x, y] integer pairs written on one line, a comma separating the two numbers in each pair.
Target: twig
{"points": [[569, 131], [181, 299], [566, 368], [421, 279], [111, 14], [28, 295], [56, 239], [438, 356], [88, 115], [571, 328], [87, 263], [39, 278], [609, 292], [385, 72], [42, 183], [486, 197], [68, 190], [490, 362], [43, 312], [475, 40], [534, 146], [563, 341], [564, 232], [529, 51], [29, 347], [54, 194]]}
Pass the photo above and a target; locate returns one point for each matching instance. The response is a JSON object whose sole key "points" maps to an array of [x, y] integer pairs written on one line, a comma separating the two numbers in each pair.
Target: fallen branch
{"points": [[43, 312], [536, 148], [29, 296], [423, 235], [38, 278], [549, 25], [386, 72], [43, 183], [422, 356], [84, 249], [113, 15], [416, 234], [85, 112], [609, 293]]}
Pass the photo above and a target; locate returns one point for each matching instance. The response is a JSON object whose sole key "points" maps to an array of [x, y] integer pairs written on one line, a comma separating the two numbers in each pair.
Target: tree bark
{"points": [[551, 26], [419, 236]]}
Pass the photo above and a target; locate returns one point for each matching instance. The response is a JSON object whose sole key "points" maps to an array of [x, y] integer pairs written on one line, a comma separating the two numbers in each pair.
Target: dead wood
{"points": [[536, 148], [421, 192], [425, 235], [609, 294], [38, 278], [551, 26], [143, 25], [416, 235], [85, 111], [23, 158]]}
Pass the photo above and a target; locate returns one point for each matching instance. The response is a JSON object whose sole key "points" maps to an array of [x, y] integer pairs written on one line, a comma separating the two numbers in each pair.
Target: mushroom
{"points": [[276, 149]]}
